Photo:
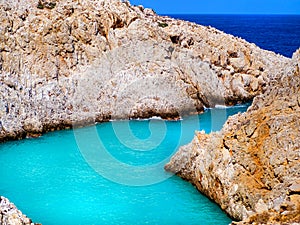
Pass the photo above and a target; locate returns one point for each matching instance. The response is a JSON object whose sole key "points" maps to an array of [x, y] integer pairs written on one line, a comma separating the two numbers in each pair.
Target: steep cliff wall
{"points": [[251, 167], [66, 62], [81, 61]]}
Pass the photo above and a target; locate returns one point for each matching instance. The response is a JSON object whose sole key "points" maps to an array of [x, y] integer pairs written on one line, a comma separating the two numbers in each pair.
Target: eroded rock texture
{"points": [[251, 168], [80, 61], [66, 62], [10, 215]]}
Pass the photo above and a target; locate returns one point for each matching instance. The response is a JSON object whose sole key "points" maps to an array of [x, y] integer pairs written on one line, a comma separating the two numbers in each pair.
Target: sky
{"points": [[221, 6]]}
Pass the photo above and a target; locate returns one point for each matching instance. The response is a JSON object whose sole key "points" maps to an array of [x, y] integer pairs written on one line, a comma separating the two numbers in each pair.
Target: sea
{"points": [[277, 33], [112, 173]]}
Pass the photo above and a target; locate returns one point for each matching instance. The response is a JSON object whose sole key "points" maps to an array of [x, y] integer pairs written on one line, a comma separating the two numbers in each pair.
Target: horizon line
{"points": [[248, 14]]}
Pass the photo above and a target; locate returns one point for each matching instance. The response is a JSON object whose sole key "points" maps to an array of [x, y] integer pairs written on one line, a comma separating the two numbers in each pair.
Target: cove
{"points": [[57, 179]]}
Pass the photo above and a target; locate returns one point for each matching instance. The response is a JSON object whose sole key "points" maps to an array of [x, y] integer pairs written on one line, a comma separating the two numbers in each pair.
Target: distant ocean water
{"points": [[277, 33]]}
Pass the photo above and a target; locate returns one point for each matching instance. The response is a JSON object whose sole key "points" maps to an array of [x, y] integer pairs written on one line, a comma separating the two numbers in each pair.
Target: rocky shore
{"points": [[10, 215], [251, 168], [75, 62]]}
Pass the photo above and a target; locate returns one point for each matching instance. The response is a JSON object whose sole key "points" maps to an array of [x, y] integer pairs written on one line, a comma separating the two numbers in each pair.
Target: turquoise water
{"points": [[55, 179]]}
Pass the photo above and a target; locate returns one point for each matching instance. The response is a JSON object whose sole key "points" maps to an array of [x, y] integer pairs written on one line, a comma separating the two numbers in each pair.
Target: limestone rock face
{"points": [[67, 62], [296, 58], [251, 167], [10, 215], [72, 62]]}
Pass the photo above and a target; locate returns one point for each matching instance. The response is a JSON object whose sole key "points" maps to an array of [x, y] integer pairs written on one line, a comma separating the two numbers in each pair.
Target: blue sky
{"points": [[221, 6]]}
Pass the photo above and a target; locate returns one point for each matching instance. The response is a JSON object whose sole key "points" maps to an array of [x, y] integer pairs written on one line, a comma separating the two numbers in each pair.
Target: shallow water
{"points": [[63, 178]]}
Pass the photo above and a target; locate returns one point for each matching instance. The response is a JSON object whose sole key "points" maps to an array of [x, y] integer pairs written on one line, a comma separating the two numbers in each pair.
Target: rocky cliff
{"points": [[67, 62], [70, 62], [251, 167]]}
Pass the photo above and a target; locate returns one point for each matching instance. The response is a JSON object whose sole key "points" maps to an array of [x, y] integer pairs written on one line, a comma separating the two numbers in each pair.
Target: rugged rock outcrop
{"points": [[251, 168], [70, 62], [10, 215], [66, 62]]}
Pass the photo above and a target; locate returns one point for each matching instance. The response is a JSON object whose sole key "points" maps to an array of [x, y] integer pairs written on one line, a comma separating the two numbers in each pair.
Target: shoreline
{"points": [[127, 62], [255, 175], [67, 125]]}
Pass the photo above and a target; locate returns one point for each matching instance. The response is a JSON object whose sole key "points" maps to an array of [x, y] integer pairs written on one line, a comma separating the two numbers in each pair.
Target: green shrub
{"points": [[40, 5], [163, 25], [48, 5], [51, 5]]}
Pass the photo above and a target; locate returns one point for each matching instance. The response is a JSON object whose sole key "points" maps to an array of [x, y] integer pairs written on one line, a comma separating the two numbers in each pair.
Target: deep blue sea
{"points": [[277, 33]]}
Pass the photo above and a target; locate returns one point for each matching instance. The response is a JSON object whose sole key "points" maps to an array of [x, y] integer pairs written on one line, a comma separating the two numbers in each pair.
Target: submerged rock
{"points": [[251, 167]]}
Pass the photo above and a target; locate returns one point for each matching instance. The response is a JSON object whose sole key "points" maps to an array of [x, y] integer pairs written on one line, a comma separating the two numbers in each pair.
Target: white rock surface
{"points": [[10, 215], [66, 62]]}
